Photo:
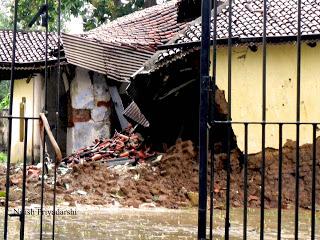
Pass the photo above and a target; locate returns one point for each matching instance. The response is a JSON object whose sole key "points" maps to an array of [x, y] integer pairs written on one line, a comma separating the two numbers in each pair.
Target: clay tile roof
{"points": [[247, 21], [30, 48], [146, 28], [121, 47]]}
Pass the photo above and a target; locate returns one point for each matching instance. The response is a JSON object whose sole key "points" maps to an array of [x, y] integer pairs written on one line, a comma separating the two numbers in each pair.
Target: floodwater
{"points": [[118, 223]]}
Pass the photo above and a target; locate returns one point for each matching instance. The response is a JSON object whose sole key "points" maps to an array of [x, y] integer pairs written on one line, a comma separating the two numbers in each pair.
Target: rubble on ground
{"points": [[166, 179], [123, 148], [150, 181]]}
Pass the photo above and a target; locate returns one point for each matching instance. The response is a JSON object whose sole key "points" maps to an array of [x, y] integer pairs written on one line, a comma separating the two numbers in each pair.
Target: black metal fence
{"points": [[207, 119], [43, 10], [206, 87], [21, 215], [26, 159]]}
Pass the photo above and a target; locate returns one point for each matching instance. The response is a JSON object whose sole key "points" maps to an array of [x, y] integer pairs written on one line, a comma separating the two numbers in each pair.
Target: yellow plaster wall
{"points": [[22, 88], [281, 91]]}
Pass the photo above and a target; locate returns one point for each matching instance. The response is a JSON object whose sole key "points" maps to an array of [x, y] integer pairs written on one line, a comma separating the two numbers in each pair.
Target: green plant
{"points": [[3, 157], [4, 103]]}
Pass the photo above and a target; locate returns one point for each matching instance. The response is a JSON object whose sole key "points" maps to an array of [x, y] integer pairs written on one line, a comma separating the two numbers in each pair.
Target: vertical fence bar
{"points": [[214, 55], [280, 183], [214, 75], [245, 183], [296, 220], [57, 120], [211, 191], [313, 197], [42, 185], [203, 118], [24, 176], [264, 83], [262, 181], [227, 218], [45, 112], [12, 78]]}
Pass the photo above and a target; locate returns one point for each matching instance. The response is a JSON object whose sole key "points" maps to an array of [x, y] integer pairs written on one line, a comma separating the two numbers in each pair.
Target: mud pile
{"points": [[162, 182], [171, 180], [271, 177]]}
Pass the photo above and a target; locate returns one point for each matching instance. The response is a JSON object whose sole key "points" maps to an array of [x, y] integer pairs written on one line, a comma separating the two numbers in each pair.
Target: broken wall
{"points": [[89, 113], [169, 99], [281, 91]]}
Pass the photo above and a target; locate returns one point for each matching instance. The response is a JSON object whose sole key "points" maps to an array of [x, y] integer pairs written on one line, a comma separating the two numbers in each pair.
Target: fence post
{"points": [[203, 117]]}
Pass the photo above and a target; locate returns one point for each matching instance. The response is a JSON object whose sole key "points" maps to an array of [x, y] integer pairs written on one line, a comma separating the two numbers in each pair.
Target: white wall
{"points": [[92, 96]]}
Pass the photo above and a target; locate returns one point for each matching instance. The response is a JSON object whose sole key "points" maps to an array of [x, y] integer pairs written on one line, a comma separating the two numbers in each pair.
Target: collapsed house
{"points": [[104, 65], [116, 76], [100, 64], [166, 89], [106, 58]]}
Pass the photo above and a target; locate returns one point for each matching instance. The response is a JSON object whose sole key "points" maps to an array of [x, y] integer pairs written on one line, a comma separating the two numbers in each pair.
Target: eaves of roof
{"points": [[246, 29], [243, 40], [117, 61]]}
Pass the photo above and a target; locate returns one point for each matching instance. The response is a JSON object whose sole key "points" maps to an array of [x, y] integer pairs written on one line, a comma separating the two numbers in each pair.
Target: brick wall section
{"points": [[79, 115]]}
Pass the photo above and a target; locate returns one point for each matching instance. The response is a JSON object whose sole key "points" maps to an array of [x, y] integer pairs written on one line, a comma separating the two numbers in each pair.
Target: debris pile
{"points": [[122, 148], [271, 177], [167, 180]]}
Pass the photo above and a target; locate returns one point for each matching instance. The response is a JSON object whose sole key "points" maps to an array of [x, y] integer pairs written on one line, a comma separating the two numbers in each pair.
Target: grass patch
{"points": [[3, 157]]}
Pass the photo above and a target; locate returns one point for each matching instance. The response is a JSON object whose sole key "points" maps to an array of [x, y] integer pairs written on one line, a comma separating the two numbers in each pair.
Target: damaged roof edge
{"points": [[117, 61], [149, 66]]}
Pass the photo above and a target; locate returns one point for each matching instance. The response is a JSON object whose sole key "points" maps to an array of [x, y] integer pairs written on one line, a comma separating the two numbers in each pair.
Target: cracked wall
{"points": [[89, 109], [246, 91]]}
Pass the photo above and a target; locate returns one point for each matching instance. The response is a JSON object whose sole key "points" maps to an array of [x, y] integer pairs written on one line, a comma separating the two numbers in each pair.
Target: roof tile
{"points": [[247, 20], [30, 46], [153, 25]]}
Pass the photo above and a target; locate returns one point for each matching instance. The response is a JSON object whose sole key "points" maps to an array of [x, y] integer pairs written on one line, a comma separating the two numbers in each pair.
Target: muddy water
{"points": [[101, 223]]}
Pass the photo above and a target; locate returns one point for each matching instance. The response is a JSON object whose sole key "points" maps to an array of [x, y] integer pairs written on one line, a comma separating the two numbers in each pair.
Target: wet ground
{"points": [[105, 223]]}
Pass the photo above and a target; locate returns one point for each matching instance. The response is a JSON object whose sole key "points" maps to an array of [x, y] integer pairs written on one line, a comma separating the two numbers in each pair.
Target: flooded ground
{"points": [[113, 223]]}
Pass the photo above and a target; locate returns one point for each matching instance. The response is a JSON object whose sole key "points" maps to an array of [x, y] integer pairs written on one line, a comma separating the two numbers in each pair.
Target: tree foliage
{"points": [[106, 10], [4, 94], [4, 22], [93, 12]]}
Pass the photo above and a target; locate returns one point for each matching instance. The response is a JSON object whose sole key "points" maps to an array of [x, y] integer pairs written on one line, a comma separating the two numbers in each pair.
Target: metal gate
{"points": [[207, 119], [47, 137]]}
